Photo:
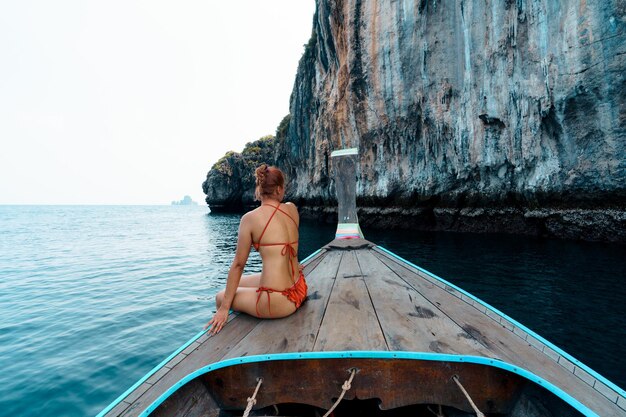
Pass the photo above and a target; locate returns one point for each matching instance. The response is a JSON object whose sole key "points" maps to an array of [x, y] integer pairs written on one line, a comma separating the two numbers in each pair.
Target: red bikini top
{"points": [[288, 249]]}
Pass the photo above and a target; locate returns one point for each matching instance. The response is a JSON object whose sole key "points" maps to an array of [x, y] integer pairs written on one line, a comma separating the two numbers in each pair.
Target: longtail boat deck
{"points": [[363, 298]]}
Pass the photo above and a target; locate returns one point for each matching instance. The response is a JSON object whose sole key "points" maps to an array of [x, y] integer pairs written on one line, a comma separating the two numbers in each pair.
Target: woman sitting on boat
{"points": [[272, 229]]}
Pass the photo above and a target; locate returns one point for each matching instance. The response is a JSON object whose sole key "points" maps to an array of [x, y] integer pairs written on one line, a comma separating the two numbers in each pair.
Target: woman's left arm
{"points": [[244, 242]]}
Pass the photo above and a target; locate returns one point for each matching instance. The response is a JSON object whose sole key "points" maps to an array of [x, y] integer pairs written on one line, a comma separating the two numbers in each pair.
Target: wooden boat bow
{"points": [[407, 331]]}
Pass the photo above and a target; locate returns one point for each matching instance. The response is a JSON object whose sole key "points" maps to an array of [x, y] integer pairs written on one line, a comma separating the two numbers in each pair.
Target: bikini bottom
{"points": [[296, 294]]}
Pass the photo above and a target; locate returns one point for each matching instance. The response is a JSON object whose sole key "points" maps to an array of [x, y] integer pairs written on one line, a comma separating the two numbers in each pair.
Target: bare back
{"points": [[275, 235]]}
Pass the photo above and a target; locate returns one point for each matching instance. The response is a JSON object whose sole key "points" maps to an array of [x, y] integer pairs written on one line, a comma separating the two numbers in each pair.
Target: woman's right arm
{"points": [[244, 242]]}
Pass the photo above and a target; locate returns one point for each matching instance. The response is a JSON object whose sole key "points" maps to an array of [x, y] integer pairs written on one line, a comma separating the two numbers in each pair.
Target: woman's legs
{"points": [[252, 280], [249, 301], [247, 296], [246, 281], [246, 301]]}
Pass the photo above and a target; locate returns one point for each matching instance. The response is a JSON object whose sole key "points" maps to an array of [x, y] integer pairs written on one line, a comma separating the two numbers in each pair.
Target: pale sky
{"points": [[131, 102]]}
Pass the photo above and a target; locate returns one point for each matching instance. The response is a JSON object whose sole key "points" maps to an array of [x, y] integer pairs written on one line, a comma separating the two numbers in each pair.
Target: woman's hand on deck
{"points": [[218, 321]]}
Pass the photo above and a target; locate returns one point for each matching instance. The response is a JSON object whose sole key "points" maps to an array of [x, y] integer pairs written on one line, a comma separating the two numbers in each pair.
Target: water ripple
{"points": [[94, 297]]}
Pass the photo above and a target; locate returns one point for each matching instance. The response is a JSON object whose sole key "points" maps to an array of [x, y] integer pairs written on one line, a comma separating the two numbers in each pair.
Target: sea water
{"points": [[93, 297]]}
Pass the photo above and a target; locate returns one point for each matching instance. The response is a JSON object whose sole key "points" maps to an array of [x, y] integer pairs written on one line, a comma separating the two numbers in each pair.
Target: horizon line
{"points": [[101, 204]]}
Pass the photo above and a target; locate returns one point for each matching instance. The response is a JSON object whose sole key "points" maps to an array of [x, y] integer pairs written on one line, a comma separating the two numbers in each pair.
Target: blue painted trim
{"points": [[169, 358], [516, 324], [149, 374], [439, 357], [311, 256]]}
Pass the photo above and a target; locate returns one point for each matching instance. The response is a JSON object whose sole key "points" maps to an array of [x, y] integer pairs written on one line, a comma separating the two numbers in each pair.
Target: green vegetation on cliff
{"points": [[229, 185], [283, 128], [254, 154]]}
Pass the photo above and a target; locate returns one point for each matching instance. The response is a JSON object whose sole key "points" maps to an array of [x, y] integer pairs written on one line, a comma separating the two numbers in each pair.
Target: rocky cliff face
{"points": [[230, 183], [468, 114]]}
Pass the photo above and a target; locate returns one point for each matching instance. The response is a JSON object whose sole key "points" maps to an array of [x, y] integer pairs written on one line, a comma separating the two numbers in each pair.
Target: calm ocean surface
{"points": [[93, 297]]}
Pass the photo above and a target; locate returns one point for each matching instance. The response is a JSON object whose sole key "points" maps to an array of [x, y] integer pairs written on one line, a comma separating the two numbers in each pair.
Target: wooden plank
{"points": [[297, 332], [312, 263], [212, 350], [350, 321], [118, 409], [410, 321], [141, 389], [467, 316], [217, 346], [147, 384], [190, 400], [395, 382], [349, 244], [501, 341]]}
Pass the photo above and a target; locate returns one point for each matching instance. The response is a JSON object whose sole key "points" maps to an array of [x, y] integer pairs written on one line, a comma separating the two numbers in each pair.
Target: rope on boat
{"points": [[252, 400], [476, 410], [344, 388], [438, 413]]}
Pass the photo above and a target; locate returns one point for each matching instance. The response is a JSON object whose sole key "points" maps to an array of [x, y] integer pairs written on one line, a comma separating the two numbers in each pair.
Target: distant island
{"points": [[186, 201]]}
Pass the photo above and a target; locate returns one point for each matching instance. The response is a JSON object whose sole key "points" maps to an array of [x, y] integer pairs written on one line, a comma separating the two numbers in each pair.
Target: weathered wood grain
{"points": [[348, 244], [501, 341], [204, 351], [190, 400], [410, 321], [212, 350], [396, 382], [312, 263], [118, 409], [363, 299], [350, 321], [295, 333]]}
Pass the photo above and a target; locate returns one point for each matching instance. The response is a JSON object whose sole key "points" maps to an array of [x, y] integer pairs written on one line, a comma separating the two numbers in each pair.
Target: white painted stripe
{"points": [[342, 152], [348, 230]]}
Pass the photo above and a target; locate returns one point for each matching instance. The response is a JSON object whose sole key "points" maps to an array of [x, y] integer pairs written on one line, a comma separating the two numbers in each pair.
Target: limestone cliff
{"points": [[229, 185], [468, 114]]}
